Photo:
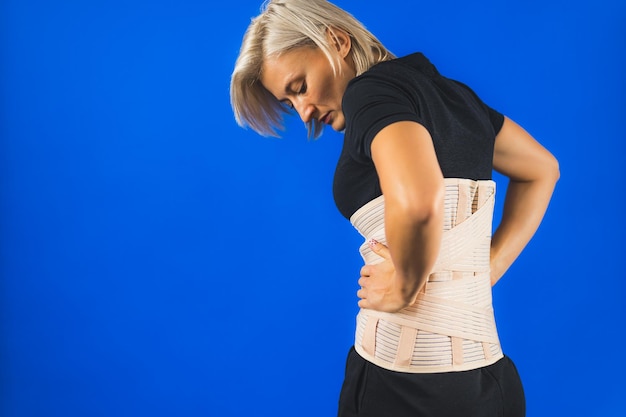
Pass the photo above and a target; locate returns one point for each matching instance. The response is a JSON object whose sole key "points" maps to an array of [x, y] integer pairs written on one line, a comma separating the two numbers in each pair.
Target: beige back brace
{"points": [[451, 326]]}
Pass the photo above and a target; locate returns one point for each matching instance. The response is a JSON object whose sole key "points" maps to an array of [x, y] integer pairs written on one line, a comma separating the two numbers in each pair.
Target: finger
{"points": [[366, 271], [363, 303], [362, 293], [380, 249]]}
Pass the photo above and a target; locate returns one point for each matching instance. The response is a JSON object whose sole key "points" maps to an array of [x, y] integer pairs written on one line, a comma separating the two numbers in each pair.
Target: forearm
{"points": [[524, 207], [533, 173], [414, 240], [412, 183]]}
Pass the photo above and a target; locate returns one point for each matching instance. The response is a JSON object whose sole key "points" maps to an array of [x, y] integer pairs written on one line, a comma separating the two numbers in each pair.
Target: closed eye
{"points": [[287, 103], [302, 90]]}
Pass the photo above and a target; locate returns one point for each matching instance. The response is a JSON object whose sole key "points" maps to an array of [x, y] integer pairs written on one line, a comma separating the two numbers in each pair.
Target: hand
{"points": [[380, 287]]}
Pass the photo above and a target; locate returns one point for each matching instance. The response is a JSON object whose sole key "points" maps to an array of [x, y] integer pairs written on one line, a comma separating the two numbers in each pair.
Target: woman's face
{"points": [[304, 80]]}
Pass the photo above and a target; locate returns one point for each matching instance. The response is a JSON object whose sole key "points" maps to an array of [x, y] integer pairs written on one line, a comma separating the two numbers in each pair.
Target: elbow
{"points": [[552, 170], [542, 170], [421, 208], [557, 170]]}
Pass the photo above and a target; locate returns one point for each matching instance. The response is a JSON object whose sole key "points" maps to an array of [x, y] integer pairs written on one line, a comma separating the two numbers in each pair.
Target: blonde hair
{"points": [[284, 25]]}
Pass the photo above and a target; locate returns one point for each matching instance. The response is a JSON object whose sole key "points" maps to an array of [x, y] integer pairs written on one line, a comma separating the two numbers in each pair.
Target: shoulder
{"points": [[415, 64], [396, 78], [388, 92]]}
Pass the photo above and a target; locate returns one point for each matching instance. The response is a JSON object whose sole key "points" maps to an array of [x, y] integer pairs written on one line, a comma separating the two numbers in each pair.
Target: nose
{"points": [[304, 109]]}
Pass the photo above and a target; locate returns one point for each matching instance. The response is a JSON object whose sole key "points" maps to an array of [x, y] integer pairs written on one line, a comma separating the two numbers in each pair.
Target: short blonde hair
{"points": [[284, 25]]}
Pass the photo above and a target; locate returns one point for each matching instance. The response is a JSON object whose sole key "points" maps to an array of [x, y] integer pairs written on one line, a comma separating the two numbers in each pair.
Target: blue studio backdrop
{"points": [[157, 260]]}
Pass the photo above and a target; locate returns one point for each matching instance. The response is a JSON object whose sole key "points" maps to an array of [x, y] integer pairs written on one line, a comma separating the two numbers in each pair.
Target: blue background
{"points": [[157, 260]]}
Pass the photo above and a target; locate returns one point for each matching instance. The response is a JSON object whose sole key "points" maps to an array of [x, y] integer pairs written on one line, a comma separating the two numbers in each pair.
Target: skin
{"points": [[532, 171], [304, 80], [411, 179], [412, 182]]}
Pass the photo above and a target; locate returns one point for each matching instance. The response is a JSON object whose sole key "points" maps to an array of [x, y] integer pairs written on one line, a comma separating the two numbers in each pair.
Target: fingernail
{"points": [[373, 243]]}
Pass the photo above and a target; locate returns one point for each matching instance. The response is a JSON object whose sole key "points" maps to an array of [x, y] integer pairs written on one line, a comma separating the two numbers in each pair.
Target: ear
{"points": [[340, 39]]}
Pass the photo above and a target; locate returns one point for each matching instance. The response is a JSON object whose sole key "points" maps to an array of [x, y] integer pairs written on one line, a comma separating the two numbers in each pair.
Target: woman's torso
{"points": [[451, 327]]}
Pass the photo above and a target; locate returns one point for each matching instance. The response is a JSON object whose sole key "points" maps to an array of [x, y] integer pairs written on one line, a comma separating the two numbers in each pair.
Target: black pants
{"points": [[371, 391]]}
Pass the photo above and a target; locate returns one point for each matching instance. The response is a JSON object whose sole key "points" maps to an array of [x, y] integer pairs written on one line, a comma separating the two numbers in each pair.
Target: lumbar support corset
{"points": [[451, 326]]}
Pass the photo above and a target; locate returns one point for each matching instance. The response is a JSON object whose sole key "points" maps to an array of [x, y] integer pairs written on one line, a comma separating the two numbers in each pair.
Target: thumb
{"points": [[379, 249]]}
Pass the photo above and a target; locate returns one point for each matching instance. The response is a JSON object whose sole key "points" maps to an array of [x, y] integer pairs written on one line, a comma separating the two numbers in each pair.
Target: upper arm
{"points": [[520, 157], [407, 166]]}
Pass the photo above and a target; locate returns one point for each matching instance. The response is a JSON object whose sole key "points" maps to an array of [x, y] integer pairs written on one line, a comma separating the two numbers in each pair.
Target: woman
{"points": [[414, 177]]}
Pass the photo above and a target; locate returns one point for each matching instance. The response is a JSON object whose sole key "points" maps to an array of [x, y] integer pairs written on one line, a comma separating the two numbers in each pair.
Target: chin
{"points": [[338, 127]]}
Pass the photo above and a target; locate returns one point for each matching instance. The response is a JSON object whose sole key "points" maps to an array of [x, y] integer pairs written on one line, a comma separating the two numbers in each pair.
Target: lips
{"points": [[326, 118]]}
